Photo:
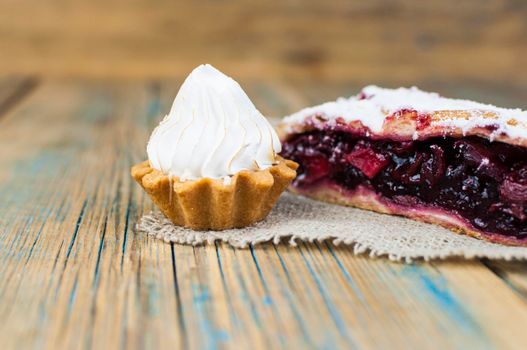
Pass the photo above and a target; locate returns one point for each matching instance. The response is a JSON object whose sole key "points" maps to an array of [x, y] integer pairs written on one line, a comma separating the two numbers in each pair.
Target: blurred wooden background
{"points": [[400, 41]]}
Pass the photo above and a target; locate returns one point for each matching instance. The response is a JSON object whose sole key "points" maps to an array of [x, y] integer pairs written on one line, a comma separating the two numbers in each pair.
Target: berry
{"points": [[369, 162]]}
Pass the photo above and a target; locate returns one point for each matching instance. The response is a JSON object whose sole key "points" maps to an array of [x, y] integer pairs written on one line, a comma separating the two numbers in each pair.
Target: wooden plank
{"points": [[514, 273], [460, 296], [75, 273], [14, 89], [73, 247], [405, 40], [504, 311]]}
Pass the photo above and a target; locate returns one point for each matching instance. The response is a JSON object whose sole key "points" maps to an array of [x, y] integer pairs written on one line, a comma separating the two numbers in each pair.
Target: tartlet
{"points": [[213, 204], [213, 161], [456, 163]]}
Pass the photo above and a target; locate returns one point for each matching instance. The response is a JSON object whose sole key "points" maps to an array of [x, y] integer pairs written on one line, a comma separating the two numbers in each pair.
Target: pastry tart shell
{"points": [[214, 204]]}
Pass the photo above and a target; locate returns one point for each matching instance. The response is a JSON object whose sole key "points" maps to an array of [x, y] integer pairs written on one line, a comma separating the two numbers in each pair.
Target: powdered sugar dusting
{"points": [[374, 104], [350, 109]]}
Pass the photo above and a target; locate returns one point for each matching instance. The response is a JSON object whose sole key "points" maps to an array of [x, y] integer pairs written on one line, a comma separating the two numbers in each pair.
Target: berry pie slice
{"points": [[456, 163]]}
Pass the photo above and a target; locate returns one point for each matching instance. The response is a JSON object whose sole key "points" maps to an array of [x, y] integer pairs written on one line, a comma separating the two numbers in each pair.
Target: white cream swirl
{"points": [[213, 130]]}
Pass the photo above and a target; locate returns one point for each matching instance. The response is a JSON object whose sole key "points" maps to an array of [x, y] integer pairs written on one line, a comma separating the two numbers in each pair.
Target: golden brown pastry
{"points": [[212, 204]]}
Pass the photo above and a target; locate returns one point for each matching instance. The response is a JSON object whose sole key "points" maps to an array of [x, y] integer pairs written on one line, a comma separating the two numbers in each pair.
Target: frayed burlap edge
{"points": [[297, 218]]}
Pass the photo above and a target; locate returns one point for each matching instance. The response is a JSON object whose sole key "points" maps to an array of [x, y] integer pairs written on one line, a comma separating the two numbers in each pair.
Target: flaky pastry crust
{"points": [[407, 125]]}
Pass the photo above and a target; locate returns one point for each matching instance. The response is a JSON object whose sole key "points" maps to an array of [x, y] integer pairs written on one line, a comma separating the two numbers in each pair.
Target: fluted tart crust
{"points": [[216, 204]]}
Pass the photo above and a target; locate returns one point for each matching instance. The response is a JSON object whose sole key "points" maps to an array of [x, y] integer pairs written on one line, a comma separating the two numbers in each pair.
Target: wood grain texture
{"points": [[13, 89], [75, 274], [368, 41]]}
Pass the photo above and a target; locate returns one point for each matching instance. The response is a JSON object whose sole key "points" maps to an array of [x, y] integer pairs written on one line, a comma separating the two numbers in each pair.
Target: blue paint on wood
{"points": [[179, 305], [200, 294], [43, 313], [26, 179], [152, 298], [23, 186], [328, 343], [335, 315], [96, 273], [232, 313], [116, 204], [70, 247], [61, 211], [306, 337], [124, 325], [347, 275], [99, 108], [245, 296], [518, 289], [126, 225], [18, 236], [29, 183], [212, 336], [222, 336], [266, 300], [43, 166], [284, 267], [437, 288], [73, 295], [76, 230], [39, 232]]}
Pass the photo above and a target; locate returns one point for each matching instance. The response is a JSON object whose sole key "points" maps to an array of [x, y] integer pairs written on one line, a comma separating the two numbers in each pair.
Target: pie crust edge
{"points": [[212, 204], [363, 198]]}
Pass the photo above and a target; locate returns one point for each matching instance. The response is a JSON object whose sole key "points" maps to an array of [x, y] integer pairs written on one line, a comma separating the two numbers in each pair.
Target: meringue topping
{"points": [[213, 130], [374, 104]]}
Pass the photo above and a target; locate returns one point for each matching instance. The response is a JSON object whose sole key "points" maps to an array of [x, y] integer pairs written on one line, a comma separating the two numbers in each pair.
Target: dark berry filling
{"points": [[484, 182]]}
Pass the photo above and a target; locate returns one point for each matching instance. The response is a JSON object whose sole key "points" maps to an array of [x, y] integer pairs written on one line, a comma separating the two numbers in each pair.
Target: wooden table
{"points": [[74, 272]]}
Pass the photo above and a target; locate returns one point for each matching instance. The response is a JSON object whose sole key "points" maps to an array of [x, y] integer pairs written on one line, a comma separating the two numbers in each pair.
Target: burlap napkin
{"points": [[298, 218]]}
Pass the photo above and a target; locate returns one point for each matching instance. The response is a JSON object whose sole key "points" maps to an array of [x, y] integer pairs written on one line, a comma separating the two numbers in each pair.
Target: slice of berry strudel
{"points": [[455, 163]]}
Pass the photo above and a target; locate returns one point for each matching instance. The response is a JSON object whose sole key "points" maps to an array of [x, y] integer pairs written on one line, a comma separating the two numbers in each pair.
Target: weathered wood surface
{"points": [[75, 274], [368, 41], [14, 89]]}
